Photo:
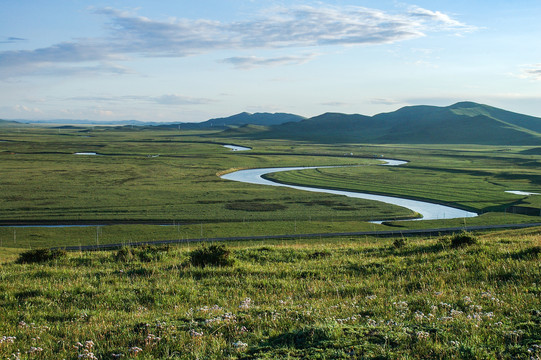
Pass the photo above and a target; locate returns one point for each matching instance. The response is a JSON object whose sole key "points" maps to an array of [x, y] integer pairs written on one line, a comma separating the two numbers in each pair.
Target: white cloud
{"points": [[294, 27]]}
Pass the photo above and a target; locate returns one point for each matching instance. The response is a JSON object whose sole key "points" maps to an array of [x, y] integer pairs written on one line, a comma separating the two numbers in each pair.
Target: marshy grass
{"points": [[341, 299]]}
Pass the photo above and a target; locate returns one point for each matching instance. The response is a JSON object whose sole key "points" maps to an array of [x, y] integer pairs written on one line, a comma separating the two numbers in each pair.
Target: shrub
{"points": [[211, 255], [463, 239], [40, 255]]}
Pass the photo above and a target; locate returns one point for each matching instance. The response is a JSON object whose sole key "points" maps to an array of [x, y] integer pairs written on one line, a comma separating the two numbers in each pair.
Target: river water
{"points": [[428, 211]]}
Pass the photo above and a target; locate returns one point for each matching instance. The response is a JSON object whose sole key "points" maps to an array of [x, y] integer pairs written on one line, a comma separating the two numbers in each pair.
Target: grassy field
{"points": [[475, 182], [43, 180], [147, 176], [340, 298]]}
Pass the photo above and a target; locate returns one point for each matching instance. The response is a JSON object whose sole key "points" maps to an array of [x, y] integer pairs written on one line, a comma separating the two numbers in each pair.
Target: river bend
{"points": [[428, 211]]}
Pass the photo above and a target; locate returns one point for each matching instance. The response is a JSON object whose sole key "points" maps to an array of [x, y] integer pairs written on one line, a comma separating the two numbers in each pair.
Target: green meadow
{"points": [[468, 296], [145, 177], [329, 298]]}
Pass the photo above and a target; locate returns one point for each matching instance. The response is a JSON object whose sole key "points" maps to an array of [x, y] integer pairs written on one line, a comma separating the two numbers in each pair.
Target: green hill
{"points": [[461, 123], [6, 123], [244, 118]]}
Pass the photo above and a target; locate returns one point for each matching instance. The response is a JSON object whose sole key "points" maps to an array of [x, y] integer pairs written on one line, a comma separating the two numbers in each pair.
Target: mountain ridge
{"points": [[460, 123]]}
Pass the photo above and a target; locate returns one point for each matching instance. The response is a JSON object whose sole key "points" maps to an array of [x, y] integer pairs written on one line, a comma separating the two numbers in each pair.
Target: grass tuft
{"points": [[211, 255], [463, 239], [40, 256]]}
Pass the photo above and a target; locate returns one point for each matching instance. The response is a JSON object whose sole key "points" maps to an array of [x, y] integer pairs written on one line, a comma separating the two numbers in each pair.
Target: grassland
{"points": [[475, 180], [340, 298], [44, 181], [148, 176]]}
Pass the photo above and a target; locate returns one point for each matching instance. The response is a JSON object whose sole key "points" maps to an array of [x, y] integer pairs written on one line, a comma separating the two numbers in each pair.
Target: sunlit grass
{"points": [[334, 298]]}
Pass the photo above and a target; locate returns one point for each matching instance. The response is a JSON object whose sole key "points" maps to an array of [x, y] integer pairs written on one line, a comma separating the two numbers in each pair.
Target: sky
{"points": [[189, 61]]}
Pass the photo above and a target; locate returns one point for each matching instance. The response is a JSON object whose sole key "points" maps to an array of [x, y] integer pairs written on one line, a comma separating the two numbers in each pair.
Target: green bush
{"points": [[463, 239], [211, 255], [40, 255]]}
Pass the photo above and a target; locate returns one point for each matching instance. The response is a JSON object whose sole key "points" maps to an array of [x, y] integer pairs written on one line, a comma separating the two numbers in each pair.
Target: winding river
{"points": [[428, 211]]}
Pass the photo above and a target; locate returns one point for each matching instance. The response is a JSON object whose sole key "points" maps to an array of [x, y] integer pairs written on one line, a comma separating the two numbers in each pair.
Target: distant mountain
{"points": [[244, 118], [9, 123], [461, 123], [89, 122]]}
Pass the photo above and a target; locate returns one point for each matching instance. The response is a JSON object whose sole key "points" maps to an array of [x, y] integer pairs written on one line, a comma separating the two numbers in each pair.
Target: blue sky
{"points": [[190, 61]]}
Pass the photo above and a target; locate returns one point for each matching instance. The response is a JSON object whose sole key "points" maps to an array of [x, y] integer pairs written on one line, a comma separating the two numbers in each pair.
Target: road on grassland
{"points": [[391, 233]]}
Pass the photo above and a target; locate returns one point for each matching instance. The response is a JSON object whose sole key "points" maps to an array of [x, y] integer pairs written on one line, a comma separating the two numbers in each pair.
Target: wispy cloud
{"points": [[335, 103], [531, 72], [11, 40], [130, 35], [385, 101], [167, 99], [249, 62], [440, 20]]}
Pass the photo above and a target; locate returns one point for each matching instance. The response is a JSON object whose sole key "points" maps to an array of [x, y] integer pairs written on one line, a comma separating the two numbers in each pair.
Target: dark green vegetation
{"points": [[327, 299], [211, 255], [461, 123]]}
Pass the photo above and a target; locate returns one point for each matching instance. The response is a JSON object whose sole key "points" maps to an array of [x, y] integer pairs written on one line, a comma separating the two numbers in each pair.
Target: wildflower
{"points": [[135, 350], [116, 356], [7, 339], [467, 300], [152, 339], [87, 355], [245, 303], [454, 343], [372, 322], [22, 324], [422, 335], [419, 316], [371, 297], [438, 293], [195, 333], [34, 350], [456, 313], [89, 344], [239, 344]]}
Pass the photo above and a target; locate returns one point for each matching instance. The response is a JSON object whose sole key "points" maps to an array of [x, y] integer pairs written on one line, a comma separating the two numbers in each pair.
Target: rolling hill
{"points": [[461, 123], [244, 118]]}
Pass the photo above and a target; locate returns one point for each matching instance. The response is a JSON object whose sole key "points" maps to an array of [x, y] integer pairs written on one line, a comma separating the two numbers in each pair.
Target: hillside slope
{"points": [[461, 123], [244, 118]]}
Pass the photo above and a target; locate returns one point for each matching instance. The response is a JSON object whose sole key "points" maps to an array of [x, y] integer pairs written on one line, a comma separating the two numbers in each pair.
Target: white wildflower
{"points": [[7, 339], [245, 303], [34, 350], [135, 350], [194, 333], [239, 344]]}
